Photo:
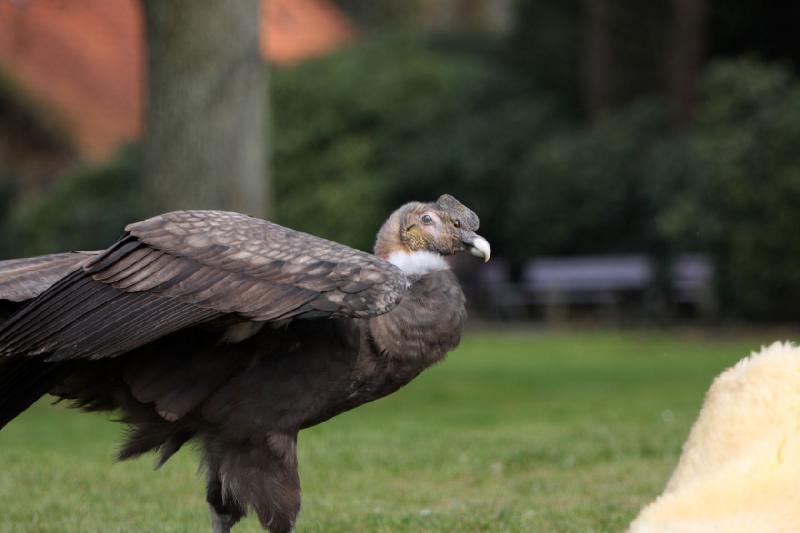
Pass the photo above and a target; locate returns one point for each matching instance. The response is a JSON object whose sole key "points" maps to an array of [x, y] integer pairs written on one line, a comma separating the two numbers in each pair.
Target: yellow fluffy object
{"points": [[740, 468]]}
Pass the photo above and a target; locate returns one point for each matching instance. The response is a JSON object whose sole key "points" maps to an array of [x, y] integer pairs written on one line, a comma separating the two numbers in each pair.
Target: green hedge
{"points": [[742, 201], [402, 117], [85, 210], [353, 130], [399, 119], [8, 195]]}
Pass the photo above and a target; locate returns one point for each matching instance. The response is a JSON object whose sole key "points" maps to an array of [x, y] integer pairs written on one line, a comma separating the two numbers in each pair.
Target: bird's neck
{"points": [[426, 324], [417, 263]]}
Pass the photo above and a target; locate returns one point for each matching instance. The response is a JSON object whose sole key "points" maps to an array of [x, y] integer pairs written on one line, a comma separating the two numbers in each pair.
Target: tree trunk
{"points": [[597, 57], [205, 145], [686, 53]]}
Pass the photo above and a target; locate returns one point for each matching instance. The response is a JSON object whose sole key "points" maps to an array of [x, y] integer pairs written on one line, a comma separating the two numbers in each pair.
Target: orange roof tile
{"points": [[299, 29], [84, 60]]}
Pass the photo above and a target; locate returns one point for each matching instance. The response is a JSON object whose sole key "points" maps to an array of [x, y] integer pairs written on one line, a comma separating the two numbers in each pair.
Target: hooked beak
{"points": [[478, 246]]}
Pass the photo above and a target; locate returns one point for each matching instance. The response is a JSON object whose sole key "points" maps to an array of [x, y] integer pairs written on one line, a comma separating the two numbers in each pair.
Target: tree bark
{"points": [[597, 57], [205, 145], [686, 54]]}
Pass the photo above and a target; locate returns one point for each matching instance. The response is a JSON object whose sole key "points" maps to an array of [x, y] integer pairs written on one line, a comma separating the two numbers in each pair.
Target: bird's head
{"points": [[428, 230]]}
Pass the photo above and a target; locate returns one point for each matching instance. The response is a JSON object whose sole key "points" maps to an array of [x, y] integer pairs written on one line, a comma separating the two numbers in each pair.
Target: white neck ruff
{"points": [[418, 263]]}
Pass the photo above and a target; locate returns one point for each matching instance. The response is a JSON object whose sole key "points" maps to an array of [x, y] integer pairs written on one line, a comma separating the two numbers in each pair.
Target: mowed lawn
{"points": [[516, 431]]}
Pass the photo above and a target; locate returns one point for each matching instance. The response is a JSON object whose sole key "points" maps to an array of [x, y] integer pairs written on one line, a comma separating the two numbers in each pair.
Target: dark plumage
{"points": [[234, 332]]}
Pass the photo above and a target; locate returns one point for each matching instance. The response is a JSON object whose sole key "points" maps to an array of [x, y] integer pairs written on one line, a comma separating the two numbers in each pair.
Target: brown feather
{"points": [[24, 279]]}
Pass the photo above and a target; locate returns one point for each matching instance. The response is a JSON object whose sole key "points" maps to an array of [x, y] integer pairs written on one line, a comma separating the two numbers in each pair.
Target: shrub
{"points": [[591, 190], [402, 117], [742, 204], [7, 196], [396, 119], [338, 122], [85, 210]]}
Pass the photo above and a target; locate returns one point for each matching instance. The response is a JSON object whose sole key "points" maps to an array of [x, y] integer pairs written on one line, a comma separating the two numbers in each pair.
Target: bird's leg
{"points": [[277, 493], [224, 513], [262, 473]]}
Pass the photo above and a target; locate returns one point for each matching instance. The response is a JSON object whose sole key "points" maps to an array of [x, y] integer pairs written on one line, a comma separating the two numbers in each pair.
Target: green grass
{"points": [[538, 431]]}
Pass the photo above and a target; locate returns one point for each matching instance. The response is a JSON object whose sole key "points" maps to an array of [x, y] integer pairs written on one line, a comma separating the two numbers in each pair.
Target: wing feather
{"points": [[97, 321], [188, 267], [249, 249], [24, 279], [41, 318]]}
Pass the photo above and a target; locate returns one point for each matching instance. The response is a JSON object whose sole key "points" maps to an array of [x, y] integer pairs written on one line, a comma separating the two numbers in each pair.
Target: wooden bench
{"points": [[586, 279], [607, 282], [612, 280]]}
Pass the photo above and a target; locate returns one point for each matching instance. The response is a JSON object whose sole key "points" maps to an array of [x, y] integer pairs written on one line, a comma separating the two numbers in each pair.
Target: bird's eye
{"points": [[457, 223], [427, 219]]}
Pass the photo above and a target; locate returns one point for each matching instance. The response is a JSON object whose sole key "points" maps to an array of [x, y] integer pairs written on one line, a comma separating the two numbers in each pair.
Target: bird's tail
{"points": [[23, 380]]}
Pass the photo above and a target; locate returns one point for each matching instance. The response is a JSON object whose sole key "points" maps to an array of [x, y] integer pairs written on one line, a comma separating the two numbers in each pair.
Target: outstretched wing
{"points": [[187, 267], [24, 279]]}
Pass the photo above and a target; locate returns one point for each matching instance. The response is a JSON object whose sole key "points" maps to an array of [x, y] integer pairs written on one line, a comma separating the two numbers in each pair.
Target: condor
{"points": [[236, 333]]}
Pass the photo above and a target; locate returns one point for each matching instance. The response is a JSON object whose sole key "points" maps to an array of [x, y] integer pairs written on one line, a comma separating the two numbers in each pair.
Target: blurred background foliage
{"points": [[501, 121], [85, 210]]}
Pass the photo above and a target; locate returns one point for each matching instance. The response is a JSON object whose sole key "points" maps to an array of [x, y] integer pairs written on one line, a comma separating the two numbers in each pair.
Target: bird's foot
{"points": [[221, 523]]}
